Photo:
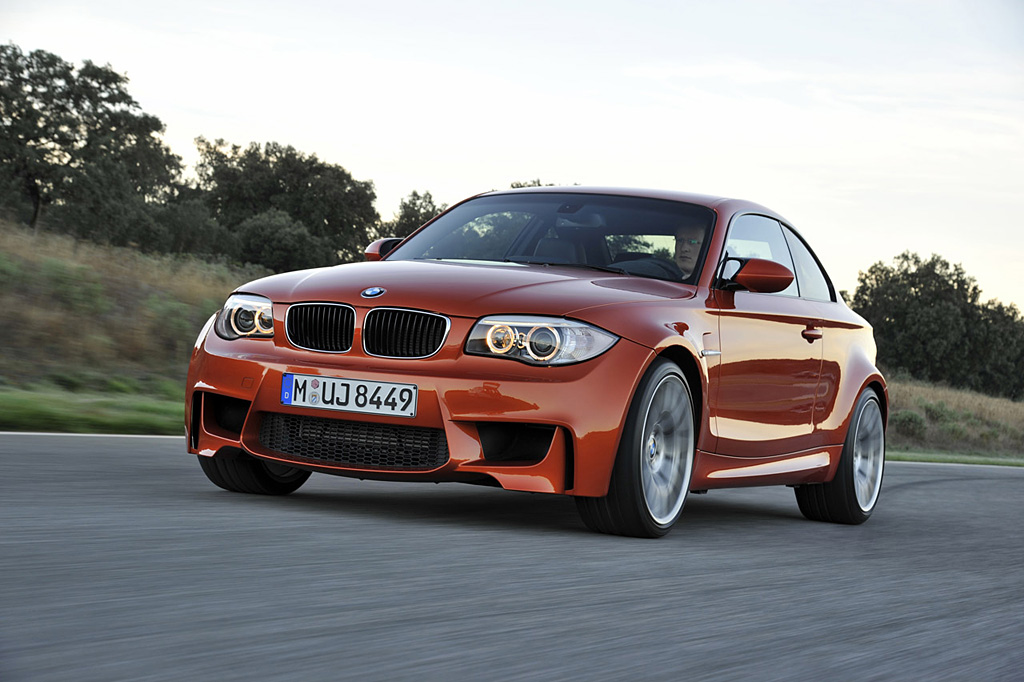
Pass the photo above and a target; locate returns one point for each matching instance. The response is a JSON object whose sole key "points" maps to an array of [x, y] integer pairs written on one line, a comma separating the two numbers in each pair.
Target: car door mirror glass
{"points": [[729, 268]]}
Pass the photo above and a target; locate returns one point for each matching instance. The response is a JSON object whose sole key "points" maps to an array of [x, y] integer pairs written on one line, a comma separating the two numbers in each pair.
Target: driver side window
{"points": [[755, 236]]}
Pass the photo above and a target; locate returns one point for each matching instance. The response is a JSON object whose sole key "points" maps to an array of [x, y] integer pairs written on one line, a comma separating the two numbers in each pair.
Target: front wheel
{"points": [[852, 495], [242, 473], [651, 477]]}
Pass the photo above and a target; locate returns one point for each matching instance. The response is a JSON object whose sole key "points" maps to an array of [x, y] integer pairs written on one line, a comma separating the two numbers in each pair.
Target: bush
{"points": [[76, 287], [171, 323], [939, 412], [909, 423], [121, 384], [954, 431], [10, 272]]}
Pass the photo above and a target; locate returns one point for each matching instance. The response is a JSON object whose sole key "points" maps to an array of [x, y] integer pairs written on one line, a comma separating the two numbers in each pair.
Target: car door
{"points": [[841, 334], [770, 354]]}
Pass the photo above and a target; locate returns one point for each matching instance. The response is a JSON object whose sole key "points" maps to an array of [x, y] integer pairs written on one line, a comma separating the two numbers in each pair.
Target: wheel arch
{"points": [[691, 369], [878, 386], [684, 358]]}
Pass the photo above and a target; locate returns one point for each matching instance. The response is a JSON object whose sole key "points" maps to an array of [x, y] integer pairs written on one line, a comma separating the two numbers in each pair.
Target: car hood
{"points": [[466, 289]]}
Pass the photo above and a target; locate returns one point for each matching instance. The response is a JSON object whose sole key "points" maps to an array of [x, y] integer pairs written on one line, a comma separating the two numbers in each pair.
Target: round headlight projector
{"points": [[501, 339], [244, 321], [538, 339], [542, 343]]}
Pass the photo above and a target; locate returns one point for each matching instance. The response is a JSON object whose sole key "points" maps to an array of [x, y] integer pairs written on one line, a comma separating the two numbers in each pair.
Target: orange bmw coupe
{"points": [[624, 347]]}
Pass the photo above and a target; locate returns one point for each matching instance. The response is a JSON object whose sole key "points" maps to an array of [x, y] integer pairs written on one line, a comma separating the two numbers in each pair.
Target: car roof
{"points": [[722, 205]]}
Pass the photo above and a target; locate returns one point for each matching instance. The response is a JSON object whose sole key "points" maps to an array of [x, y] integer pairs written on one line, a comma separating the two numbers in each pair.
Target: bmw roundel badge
{"points": [[373, 292]]}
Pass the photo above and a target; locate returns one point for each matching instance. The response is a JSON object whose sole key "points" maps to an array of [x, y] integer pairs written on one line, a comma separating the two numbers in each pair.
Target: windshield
{"points": [[636, 236]]}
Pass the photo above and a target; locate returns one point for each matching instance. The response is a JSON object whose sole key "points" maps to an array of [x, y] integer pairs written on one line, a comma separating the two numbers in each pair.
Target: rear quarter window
{"points": [[811, 278]]}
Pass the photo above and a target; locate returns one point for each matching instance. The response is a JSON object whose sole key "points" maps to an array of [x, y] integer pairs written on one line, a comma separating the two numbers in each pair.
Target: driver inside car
{"points": [[689, 239]]}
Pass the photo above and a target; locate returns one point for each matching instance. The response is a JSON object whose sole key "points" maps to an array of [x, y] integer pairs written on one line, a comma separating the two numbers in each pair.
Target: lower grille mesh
{"points": [[358, 444]]}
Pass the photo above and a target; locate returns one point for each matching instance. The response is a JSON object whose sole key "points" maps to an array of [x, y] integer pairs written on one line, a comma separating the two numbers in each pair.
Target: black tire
{"points": [[654, 464], [241, 473], [852, 495]]}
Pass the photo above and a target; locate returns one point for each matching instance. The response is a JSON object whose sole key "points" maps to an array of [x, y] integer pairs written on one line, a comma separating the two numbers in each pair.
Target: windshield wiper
{"points": [[542, 261], [494, 260], [632, 271]]}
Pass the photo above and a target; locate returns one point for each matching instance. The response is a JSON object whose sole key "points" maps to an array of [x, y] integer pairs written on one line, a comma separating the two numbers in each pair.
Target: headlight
{"points": [[538, 340], [246, 316]]}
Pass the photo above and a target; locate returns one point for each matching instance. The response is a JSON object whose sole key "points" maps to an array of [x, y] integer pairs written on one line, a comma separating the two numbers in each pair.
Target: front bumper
{"points": [[539, 429]]}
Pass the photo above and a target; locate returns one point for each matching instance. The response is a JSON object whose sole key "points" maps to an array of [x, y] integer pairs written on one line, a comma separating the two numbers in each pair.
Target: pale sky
{"points": [[874, 127]]}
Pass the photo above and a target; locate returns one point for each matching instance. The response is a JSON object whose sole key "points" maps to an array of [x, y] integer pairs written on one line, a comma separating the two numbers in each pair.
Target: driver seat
{"points": [[556, 250]]}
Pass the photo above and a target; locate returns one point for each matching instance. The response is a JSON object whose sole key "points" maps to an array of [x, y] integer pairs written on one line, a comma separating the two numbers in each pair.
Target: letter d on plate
{"points": [[287, 384]]}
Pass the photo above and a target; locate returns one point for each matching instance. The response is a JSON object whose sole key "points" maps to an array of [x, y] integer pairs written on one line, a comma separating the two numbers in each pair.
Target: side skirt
{"points": [[817, 465]]}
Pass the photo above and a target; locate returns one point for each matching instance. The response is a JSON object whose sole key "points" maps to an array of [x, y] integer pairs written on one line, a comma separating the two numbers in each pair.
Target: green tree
{"points": [[531, 183], [61, 126], [928, 321], [240, 183], [191, 228], [276, 241], [999, 343], [102, 205], [415, 210]]}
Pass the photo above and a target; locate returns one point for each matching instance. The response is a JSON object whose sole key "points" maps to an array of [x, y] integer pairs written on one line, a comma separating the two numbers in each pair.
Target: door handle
{"points": [[811, 334]]}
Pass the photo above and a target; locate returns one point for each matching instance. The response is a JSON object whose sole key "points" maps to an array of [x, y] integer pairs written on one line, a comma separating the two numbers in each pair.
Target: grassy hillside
{"points": [[926, 417], [98, 339], [79, 316]]}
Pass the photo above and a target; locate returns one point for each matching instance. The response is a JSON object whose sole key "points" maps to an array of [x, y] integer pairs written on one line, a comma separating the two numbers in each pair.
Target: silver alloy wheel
{"points": [[666, 449], [868, 455]]}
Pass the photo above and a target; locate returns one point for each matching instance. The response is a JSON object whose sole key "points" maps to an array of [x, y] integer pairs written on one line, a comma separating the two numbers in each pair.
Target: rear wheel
{"points": [[654, 463], [242, 473], [852, 495]]}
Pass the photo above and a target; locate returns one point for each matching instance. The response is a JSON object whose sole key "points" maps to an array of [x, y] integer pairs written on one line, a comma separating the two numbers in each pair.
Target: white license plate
{"points": [[349, 395]]}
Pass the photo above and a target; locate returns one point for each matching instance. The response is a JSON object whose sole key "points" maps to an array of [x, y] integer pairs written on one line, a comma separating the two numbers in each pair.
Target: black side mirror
{"points": [[727, 272]]}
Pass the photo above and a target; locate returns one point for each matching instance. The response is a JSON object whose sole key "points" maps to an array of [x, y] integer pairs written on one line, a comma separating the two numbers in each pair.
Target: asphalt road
{"points": [[119, 561]]}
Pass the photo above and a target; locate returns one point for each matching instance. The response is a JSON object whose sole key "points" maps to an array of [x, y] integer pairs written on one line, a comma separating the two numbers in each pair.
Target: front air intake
{"points": [[399, 333], [361, 445], [324, 327]]}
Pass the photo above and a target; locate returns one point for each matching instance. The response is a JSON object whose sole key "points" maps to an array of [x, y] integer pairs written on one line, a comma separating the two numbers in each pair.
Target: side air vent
{"points": [[506, 442], [222, 415]]}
